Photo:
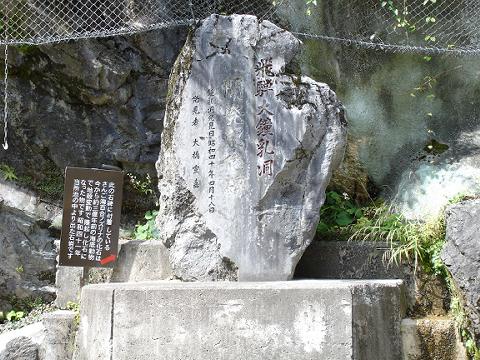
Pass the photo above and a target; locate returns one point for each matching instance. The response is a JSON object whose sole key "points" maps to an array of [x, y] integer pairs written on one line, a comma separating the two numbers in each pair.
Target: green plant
{"points": [[310, 3], [20, 269], [148, 230], [413, 241], [75, 307], [48, 181], [417, 242], [338, 211], [143, 184], [400, 15], [25, 305], [8, 172], [462, 321], [14, 315]]}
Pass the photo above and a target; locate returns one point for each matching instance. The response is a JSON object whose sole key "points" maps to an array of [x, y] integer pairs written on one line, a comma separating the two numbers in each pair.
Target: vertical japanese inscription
{"points": [[91, 217], [212, 149], [204, 145], [264, 77], [196, 143]]}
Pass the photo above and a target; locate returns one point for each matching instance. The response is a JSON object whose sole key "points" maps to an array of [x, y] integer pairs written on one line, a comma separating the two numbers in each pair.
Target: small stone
{"points": [[21, 348]]}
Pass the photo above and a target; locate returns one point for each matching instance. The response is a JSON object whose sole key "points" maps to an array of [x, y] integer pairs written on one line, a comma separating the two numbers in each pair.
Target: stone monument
{"points": [[248, 149], [247, 152]]}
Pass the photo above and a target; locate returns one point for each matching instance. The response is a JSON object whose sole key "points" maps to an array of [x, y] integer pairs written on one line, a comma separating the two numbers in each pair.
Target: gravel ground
{"points": [[34, 316]]}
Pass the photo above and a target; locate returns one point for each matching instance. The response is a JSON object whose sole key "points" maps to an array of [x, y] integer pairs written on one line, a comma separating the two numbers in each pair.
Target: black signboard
{"points": [[91, 217]]}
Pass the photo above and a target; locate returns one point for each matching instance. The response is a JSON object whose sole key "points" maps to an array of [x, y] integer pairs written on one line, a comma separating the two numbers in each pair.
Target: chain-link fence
{"points": [[424, 26], [429, 26], [47, 21]]}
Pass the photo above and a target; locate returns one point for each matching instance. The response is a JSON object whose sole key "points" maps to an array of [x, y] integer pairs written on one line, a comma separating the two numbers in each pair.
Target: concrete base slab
{"points": [[347, 260], [228, 320]]}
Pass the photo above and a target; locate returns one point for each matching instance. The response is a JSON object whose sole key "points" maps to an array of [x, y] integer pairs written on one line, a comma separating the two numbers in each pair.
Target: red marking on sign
{"points": [[108, 259]]}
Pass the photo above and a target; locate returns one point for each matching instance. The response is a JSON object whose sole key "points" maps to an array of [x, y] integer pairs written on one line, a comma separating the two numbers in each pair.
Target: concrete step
{"points": [[346, 260], [137, 261], [426, 294], [328, 320]]}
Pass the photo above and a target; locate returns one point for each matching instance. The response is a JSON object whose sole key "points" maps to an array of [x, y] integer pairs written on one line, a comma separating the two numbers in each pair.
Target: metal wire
{"points": [[48, 21], [5, 102], [418, 26], [424, 26], [5, 89], [446, 27]]}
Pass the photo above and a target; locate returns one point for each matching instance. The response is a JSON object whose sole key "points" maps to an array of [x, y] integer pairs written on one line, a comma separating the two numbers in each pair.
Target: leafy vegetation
{"points": [[338, 212], [147, 230], [412, 241], [8, 172], [21, 308], [416, 242], [14, 315], [142, 184], [75, 307]]}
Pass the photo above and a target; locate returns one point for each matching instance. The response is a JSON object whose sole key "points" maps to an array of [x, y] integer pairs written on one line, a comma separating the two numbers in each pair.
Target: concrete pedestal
{"points": [[227, 320]]}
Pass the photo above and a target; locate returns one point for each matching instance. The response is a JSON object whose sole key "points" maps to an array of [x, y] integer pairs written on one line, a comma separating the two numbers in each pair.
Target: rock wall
{"points": [[88, 103], [420, 147], [461, 255], [83, 103], [27, 251]]}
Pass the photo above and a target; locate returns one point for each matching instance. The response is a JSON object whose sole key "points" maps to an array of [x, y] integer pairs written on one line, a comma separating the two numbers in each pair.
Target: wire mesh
{"points": [[435, 26], [47, 21], [423, 26]]}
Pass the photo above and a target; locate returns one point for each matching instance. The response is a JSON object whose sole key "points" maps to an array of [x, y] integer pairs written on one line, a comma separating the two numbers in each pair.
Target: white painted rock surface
{"points": [[247, 152]]}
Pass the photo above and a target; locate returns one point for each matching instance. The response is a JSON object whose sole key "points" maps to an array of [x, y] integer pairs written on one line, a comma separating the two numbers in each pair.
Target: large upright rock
{"points": [[247, 152], [27, 251], [461, 254]]}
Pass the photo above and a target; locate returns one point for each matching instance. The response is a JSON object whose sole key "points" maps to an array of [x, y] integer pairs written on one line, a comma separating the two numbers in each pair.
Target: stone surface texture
{"points": [[431, 338], [328, 320], [22, 344], [389, 131], [88, 103], [21, 348], [461, 254], [27, 251], [83, 103], [51, 339], [142, 261], [59, 342], [234, 217], [426, 294], [68, 282]]}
